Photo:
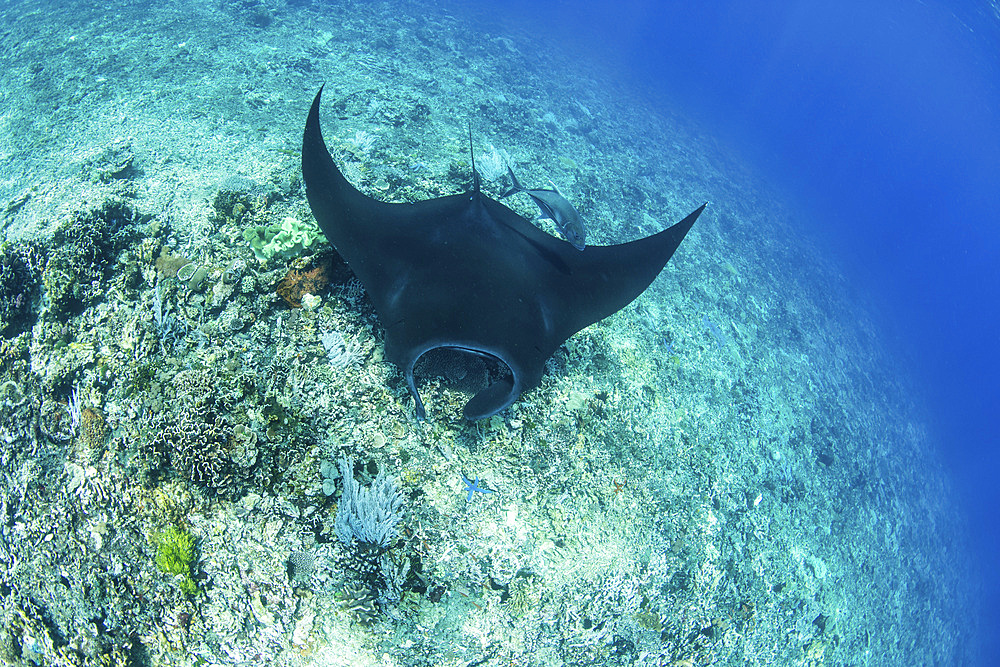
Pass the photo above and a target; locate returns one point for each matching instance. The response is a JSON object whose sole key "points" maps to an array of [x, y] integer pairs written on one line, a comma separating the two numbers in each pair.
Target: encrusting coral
{"points": [[308, 278]]}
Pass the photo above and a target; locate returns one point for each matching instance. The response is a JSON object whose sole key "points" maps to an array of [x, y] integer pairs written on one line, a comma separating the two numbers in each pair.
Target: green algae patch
{"points": [[176, 554]]}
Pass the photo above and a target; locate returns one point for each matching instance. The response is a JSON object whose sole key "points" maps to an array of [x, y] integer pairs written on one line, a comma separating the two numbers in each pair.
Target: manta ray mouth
{"points": [[491, 379]]}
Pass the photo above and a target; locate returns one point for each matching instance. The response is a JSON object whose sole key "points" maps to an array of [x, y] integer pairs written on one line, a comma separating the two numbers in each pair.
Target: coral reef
{"points": [[93, 428], [359, 602], [199, 442], [195, 444], [366, 524], [195, 470], [287, 238]]}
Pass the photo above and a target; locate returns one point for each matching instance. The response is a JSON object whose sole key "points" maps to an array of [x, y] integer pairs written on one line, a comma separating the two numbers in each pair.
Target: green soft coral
{"points": [[287, 238], [175, 554]]}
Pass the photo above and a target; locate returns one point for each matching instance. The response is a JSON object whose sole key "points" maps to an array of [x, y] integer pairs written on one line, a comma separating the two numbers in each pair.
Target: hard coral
{"points": [[19, 271], [359, 602], [85, 251], [198, 440], [93, 428], [285, 239], [196, 444]]}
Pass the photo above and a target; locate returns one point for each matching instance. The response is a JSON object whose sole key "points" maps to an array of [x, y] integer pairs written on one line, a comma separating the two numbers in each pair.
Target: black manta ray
{"points": [[465, 272]]}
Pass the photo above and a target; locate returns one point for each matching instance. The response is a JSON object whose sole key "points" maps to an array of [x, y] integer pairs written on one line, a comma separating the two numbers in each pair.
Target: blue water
{"points": [[882, 119]]}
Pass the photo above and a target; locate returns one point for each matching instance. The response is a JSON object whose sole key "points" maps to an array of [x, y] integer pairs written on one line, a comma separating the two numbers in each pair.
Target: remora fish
{"points": [[555, 207]]}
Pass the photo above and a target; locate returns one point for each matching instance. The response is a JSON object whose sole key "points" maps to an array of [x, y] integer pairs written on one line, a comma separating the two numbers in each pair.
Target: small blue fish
{"points": [[555, 207]]}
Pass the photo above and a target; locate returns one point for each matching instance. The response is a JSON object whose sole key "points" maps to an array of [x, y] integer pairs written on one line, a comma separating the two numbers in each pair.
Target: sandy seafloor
{"points": [[729, 471]]}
